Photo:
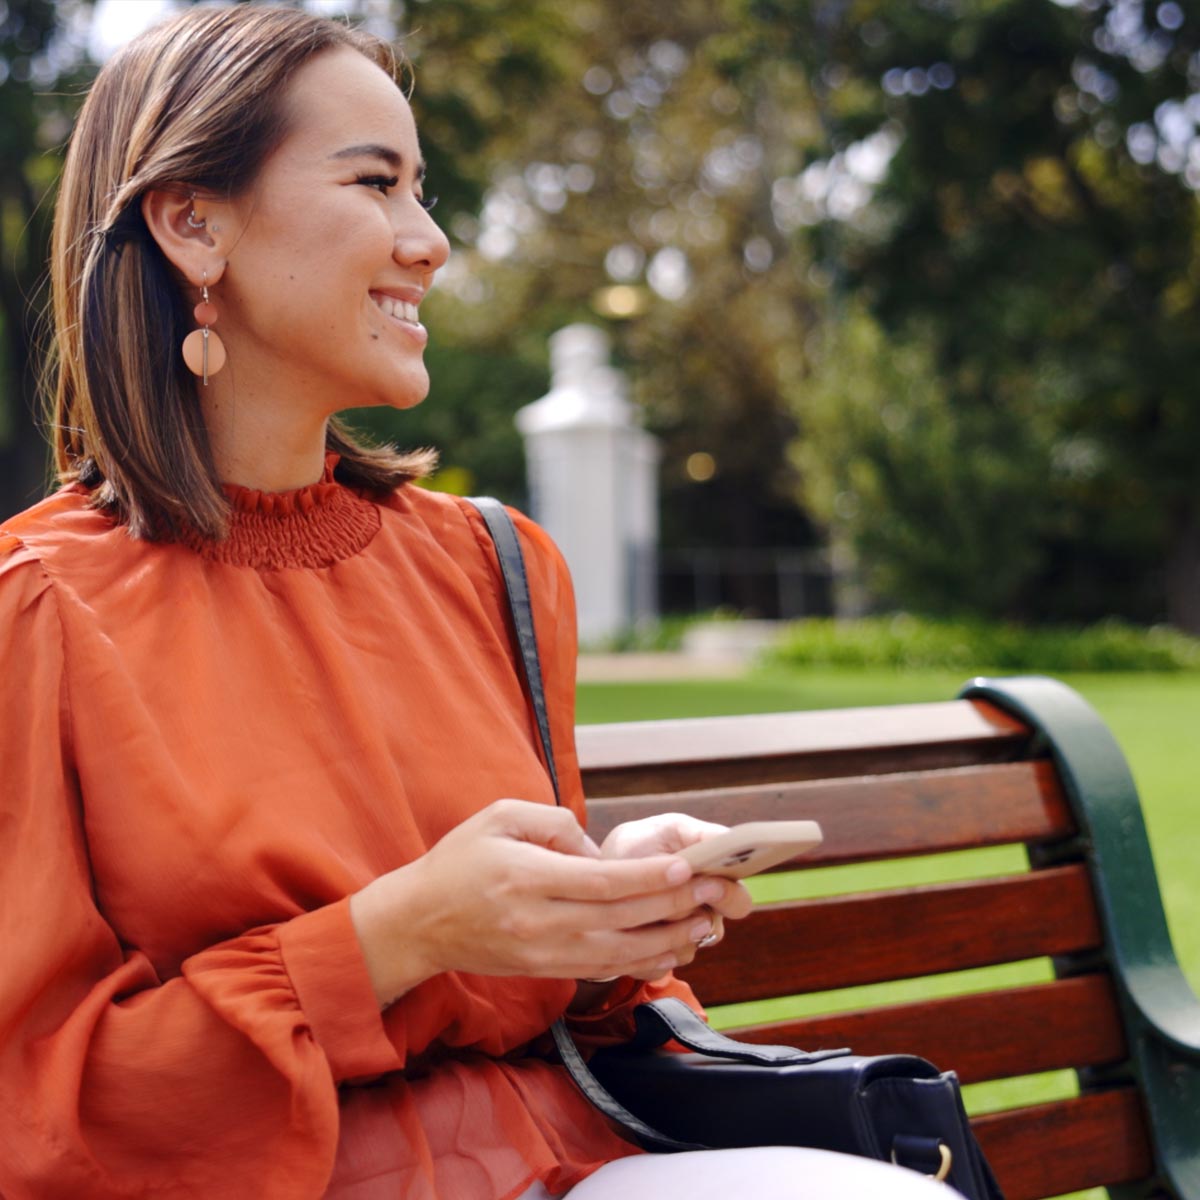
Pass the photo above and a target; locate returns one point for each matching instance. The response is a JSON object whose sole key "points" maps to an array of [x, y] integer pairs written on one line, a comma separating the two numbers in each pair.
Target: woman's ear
{"points": [[188, 231]]}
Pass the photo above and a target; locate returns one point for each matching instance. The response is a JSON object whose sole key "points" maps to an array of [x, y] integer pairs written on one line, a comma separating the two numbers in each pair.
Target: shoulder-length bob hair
{"points": [[195, 102]]}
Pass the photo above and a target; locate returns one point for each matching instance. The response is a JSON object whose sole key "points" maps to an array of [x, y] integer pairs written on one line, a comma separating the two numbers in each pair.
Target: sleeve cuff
{"points": [[611, 1021], [324, 962]]}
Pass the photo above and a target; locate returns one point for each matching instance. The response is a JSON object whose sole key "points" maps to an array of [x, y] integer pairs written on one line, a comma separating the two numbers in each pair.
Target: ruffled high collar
{"points": [[313, 526]]}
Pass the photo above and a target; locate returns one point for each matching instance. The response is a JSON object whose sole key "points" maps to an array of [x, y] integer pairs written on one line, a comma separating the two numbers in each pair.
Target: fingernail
{"points": [[679, 872], [700, 931], [708, 889]]}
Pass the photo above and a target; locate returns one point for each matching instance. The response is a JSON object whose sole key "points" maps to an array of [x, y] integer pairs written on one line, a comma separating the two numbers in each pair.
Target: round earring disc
{"points": [[193, 352]]}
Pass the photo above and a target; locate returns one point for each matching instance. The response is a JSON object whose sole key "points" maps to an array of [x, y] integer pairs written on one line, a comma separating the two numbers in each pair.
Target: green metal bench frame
{"points": [[1160, 1010]]}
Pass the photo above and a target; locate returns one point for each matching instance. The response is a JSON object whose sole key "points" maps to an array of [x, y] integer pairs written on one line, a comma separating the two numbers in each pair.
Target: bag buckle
{"points": [[947, 1156]]}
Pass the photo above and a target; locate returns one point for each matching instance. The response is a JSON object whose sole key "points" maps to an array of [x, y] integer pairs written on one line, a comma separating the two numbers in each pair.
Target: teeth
{"points": [[400, 309]]}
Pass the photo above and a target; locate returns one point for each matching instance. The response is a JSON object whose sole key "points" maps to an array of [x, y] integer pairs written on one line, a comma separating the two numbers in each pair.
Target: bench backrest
{"points": [[905, 781]]}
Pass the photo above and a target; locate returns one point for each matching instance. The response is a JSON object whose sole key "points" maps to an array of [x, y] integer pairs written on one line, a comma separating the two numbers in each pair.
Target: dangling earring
{"points": [[203, 350]]}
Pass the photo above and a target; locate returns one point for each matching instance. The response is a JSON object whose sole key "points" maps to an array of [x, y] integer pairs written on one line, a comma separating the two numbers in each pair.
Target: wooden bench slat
{"points": [[863, 818], [1067, 1146], [1041, 1029], [815, 945], [634, 743], [661, 756]]}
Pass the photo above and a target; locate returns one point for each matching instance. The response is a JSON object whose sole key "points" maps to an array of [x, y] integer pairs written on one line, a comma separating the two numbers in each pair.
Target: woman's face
{"points": [[331, 251]]}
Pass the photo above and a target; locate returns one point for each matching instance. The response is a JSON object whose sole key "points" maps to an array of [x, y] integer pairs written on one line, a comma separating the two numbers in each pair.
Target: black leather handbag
{"points": [[723, 1094], [726, 1094]]}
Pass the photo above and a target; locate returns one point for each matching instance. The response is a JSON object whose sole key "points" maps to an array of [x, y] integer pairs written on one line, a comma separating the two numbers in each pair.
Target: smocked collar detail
{"points": [[313, 526]]}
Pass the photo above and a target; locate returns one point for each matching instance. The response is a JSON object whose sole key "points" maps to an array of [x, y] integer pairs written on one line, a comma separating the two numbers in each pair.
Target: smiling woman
{"points": [[200, 163], [274, 923], [307, 329]]}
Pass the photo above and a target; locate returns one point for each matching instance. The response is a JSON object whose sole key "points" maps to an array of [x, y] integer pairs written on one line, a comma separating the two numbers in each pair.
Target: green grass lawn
{"points": [[1155, 718]]}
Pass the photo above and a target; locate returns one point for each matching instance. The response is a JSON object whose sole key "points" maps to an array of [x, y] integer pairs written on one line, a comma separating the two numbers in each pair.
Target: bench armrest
{"points": [[1160, 1010]]}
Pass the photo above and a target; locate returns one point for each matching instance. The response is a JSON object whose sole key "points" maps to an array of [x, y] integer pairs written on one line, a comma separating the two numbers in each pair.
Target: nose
{"points": [[420, 242]]}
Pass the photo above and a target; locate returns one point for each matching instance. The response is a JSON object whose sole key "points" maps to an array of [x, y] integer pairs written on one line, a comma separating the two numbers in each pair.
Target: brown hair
{"points": [[193, 102]]}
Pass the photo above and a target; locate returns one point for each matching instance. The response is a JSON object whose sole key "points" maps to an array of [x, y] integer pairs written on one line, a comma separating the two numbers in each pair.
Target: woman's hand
{"points": [[667, 833], [519, 889]]}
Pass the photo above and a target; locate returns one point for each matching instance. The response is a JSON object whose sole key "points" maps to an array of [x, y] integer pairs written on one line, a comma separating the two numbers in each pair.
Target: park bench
{"points": [[1024, 762]]}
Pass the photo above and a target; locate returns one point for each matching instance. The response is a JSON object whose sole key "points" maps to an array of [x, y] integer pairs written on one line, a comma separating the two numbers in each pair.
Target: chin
{"points": [[395, 397]]}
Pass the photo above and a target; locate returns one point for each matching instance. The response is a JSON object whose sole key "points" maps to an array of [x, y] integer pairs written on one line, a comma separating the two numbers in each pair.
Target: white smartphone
{"points": [[752, 847]]}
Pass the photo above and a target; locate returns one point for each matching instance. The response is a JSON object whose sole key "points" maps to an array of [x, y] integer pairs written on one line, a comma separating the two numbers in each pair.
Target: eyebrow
{"points": [[393, 158]]}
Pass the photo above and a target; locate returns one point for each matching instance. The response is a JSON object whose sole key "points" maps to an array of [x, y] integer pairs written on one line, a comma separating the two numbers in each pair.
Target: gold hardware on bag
{"points": [[944, 1169], [947, 1159]]}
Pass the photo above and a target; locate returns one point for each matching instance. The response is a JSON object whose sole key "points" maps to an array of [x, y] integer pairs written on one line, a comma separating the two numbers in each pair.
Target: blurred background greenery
{"points": [[911, 284]]}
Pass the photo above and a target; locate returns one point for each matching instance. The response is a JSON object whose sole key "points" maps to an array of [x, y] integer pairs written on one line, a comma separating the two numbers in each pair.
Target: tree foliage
{"points": [[41, 66], [640, 198], [1036, 234], [942, 519]]}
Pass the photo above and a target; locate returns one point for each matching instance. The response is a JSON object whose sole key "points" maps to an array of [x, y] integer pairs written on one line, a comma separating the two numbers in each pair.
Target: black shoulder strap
{"points": [[605, 1101], [516, 585]]}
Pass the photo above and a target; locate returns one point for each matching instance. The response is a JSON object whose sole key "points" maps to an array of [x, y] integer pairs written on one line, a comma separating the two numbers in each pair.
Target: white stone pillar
{"points": [[593, 483]]}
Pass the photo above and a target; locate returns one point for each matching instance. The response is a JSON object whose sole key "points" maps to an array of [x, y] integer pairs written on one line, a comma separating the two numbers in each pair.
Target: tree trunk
{"points": [[1183, 574]]}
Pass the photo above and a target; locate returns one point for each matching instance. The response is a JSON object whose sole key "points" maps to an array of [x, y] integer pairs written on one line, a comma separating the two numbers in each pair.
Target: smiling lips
{"points": [[402, 310]]}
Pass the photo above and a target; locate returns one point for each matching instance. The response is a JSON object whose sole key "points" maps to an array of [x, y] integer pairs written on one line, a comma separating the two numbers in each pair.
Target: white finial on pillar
{"points": [[593, 482]]}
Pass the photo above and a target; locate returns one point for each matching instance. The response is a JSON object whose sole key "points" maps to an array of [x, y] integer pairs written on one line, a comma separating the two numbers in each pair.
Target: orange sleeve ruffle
{"points": [[109, 1074]]}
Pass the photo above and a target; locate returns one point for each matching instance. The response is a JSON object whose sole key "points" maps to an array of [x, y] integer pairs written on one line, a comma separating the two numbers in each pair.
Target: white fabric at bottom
{"points": [[763, 1173]]}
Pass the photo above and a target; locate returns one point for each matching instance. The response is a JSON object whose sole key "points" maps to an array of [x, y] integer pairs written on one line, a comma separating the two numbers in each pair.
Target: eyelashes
{"points": [[381, 183], [384, 184]]}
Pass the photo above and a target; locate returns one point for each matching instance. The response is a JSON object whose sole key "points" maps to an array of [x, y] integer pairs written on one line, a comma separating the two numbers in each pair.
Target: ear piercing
{"points": [[199, 223], [203, 350]]}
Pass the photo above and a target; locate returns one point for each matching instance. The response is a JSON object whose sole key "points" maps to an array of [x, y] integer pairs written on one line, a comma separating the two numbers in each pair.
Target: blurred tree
{"points": [[41, 64], [943, 504], [641, 198], [1034, 238]]}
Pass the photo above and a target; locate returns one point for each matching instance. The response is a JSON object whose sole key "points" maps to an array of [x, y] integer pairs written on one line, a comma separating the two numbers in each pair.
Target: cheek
{"points": [[311, 279]]}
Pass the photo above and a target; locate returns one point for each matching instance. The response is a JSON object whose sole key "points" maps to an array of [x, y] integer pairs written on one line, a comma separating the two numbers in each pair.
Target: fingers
{"points": [[734, 902], [601, 881], [655, 908], [554, 828], [541, 903], [714, 935], [664, 833], [646, 952], [628, 893], [690, 830], [702, 929]]}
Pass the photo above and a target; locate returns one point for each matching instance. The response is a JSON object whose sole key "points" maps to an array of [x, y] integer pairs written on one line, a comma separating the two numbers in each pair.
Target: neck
{"points": [[261, 442]]}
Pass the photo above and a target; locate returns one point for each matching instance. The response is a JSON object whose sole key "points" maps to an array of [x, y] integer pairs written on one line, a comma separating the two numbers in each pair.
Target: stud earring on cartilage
{"points": [[203, 350]]}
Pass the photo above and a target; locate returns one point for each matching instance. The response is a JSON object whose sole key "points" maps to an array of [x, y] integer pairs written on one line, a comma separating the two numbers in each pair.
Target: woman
{"points": [[271, 926]]}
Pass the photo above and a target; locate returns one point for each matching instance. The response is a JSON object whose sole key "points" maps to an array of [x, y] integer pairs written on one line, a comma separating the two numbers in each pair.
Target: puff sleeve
{"points": [[114, 1083]]}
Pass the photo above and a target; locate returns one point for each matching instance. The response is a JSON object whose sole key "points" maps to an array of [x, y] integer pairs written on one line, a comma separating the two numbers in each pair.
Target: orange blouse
{"points": [[206, 748]]}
